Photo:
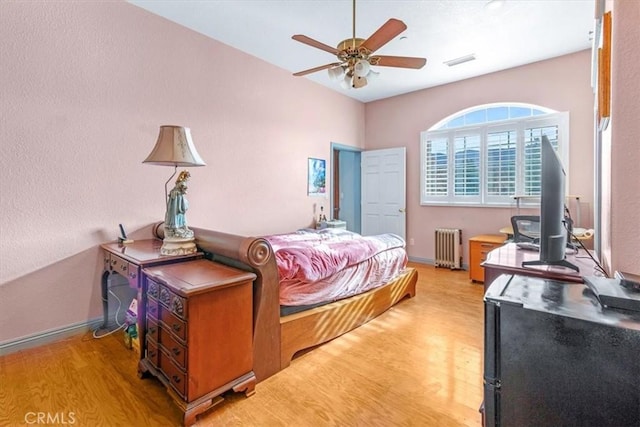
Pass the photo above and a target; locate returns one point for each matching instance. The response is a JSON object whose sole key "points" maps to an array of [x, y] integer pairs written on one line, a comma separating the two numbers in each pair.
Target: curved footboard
{"points": [[321, 324]]}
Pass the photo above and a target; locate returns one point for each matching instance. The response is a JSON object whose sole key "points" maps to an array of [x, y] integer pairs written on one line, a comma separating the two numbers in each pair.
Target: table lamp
{"points": [[175, 147]]}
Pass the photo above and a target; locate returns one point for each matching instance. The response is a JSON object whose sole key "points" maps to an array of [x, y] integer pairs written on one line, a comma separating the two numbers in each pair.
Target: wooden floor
{"points": [[418, 364]]}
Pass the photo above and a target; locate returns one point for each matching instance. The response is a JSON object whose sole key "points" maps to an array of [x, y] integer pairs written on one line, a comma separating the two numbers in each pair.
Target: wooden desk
{"points": [[128, 260], [508, 259]]}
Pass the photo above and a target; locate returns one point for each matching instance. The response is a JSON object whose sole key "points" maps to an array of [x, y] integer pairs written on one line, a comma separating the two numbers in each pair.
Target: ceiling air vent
{"points": [[461, 60]]}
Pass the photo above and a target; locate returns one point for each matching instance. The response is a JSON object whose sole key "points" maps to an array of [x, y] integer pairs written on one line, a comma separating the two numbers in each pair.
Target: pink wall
{"points": [[85, 87], [562, 84], [621, 144]]}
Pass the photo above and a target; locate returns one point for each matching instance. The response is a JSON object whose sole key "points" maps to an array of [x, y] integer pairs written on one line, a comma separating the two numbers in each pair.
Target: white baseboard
{"points": [[49, 336]]}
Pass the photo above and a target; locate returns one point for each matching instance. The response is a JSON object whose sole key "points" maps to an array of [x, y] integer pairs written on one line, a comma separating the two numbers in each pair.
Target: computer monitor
{"points": [[553, 233]]}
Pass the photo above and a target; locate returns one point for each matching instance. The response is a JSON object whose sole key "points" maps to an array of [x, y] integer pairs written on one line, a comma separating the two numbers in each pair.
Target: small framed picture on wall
{"points": [[316, 177]]}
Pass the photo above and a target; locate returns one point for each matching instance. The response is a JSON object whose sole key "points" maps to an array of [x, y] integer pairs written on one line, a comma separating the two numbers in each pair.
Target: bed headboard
{"points": [[256, 255]]}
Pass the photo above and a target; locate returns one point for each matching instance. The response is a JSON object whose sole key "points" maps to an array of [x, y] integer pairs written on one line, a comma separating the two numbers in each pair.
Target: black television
{"points": [[553, 232]]}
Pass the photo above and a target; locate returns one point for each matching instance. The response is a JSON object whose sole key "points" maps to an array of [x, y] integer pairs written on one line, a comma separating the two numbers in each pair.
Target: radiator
{"points": [[449, 248]]}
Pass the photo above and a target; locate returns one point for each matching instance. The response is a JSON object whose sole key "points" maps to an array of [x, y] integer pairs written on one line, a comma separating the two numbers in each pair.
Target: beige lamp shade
{"points": [[174, 147]]}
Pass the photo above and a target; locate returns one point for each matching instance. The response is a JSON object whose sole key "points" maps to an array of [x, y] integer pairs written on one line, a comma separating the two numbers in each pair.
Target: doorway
{"points": [[346, 185]]}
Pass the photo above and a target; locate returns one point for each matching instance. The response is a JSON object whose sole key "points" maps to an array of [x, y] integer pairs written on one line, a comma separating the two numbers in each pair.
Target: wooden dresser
{"points": [[479, 247], [198, 332]]}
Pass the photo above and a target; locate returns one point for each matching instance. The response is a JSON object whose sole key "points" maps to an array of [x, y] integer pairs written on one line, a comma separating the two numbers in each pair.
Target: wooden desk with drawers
{"points": [[479, 248], [198, 335]]}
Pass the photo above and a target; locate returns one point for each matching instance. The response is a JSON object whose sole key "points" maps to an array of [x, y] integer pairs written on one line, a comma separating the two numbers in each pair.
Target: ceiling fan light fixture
{"points": [[345, 83], [359, 81], [336, 73], [355, 55], [361, 68]]}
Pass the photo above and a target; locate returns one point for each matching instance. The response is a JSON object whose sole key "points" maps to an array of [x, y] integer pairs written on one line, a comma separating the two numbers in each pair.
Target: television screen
{"points": [[553, 232]]}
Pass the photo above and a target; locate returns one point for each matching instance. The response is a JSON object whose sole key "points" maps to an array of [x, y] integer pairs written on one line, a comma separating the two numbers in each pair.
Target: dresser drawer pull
{"points": [[176, 379], [153, 310], [487, 245], [175, 351], [176, 327], [152, 353], [152, 330]]}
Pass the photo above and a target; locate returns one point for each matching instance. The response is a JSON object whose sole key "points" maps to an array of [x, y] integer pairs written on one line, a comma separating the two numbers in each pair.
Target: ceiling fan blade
{"points": [[384, 34], [314, 43], [398, 61], [313, 70]]}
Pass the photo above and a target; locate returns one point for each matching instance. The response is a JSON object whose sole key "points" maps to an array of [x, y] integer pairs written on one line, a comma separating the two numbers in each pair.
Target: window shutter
{"points": [[488, 164], [467, 165], [501, 163], [532, 156], [436, 160]]}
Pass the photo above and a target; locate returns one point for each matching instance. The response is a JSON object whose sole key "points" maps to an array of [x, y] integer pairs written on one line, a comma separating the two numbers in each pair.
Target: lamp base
{"points": [[178, 246]]}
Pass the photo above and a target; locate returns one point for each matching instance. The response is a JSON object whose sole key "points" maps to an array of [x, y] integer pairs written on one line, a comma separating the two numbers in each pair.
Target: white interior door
{"points": [[384, 191]]}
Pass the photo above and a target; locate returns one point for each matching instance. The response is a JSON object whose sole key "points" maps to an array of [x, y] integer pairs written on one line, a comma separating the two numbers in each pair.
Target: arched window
{"points": [[486, 155]]}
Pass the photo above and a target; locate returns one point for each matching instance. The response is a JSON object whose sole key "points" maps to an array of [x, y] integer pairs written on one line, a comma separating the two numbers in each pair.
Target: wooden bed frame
{"points": [[277, 339]]}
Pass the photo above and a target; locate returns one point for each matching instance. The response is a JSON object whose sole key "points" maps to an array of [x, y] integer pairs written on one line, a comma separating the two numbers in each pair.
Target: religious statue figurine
{"points": [[178, 238]]}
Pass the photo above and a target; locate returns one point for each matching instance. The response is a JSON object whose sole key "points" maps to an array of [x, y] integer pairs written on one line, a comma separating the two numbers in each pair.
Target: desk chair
{"points": [[526, 228]]}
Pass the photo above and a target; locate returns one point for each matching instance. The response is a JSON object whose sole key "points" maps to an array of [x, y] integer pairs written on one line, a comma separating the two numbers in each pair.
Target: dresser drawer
{"points": [[175, 303], [133, 271], [153, 308], [479, 248], [174, 323], [153, 289], [153, 354], [485, 248], [177, 378], [152, 328], [119, 265], [175, 349]]}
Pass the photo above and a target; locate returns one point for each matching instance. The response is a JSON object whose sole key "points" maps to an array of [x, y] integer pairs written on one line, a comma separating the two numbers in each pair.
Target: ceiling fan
{"points": [[356, 55]]}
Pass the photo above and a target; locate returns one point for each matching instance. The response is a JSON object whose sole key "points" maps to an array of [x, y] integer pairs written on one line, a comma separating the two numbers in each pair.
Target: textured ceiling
{"points": [[516, 33]]}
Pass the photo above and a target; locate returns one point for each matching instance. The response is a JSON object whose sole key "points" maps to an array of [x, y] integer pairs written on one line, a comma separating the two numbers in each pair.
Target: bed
{"points": [[282, 330]]}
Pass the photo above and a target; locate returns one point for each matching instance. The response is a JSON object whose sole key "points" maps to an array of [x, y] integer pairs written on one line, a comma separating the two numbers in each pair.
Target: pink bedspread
{"points": [[325, 265]]}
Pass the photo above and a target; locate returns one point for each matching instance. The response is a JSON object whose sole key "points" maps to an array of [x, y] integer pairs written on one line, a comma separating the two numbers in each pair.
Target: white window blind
{"points": [[435, 155], [467, 165], [501, 163], [532, 156], [488, 164]]}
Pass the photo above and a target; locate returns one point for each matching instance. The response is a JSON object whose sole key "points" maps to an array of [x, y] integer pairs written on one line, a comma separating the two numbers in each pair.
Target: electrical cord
{"points": [[599, 267], [120, 326]]}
